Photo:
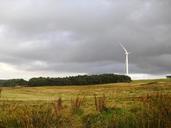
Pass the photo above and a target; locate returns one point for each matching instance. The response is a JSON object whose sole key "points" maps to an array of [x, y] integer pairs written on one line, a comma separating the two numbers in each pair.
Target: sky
{"points": [[63, 37]]}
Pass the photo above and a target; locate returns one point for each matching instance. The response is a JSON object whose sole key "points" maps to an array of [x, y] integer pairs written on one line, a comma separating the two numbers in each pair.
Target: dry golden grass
{"points": [[136, 104]]}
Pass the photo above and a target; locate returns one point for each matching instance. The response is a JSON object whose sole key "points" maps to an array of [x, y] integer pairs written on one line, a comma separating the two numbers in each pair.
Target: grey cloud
{"points": [[84, 36]]}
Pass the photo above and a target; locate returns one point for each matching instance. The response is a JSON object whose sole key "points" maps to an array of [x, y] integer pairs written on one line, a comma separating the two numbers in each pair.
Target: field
{"points": [[145, 104]]}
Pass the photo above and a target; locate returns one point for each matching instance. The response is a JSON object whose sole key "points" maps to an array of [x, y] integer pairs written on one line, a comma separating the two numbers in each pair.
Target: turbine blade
{"points": [[124, 48]]}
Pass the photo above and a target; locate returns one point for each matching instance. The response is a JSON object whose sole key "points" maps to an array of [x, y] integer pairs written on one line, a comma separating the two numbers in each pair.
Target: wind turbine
{"points": [[126, 59]]}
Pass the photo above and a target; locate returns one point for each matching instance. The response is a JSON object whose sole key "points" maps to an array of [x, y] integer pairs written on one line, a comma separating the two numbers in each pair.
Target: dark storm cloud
{"points": [[83, 36]]}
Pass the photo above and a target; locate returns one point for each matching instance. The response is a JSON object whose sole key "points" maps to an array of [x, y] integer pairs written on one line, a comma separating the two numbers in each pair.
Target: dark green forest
{"points": [[13, 82], [72, 80]]}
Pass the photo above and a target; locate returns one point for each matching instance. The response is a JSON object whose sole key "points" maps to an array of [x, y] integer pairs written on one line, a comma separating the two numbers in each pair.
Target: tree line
{"points": [[72, 80]]}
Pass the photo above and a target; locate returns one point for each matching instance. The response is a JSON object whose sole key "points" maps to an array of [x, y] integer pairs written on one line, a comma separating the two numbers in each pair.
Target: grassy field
{"points": [[91, 106]]}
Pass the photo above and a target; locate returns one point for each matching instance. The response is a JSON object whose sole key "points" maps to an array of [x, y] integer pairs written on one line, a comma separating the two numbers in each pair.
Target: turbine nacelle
{"points": [[126, 52]]}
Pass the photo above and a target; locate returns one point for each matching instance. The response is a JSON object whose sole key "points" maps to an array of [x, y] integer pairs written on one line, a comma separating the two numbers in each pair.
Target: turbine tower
{"points": [[126, 60]]}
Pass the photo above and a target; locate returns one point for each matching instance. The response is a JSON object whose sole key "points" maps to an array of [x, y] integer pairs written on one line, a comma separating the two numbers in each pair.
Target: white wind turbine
{"points": [[126, 59]]}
